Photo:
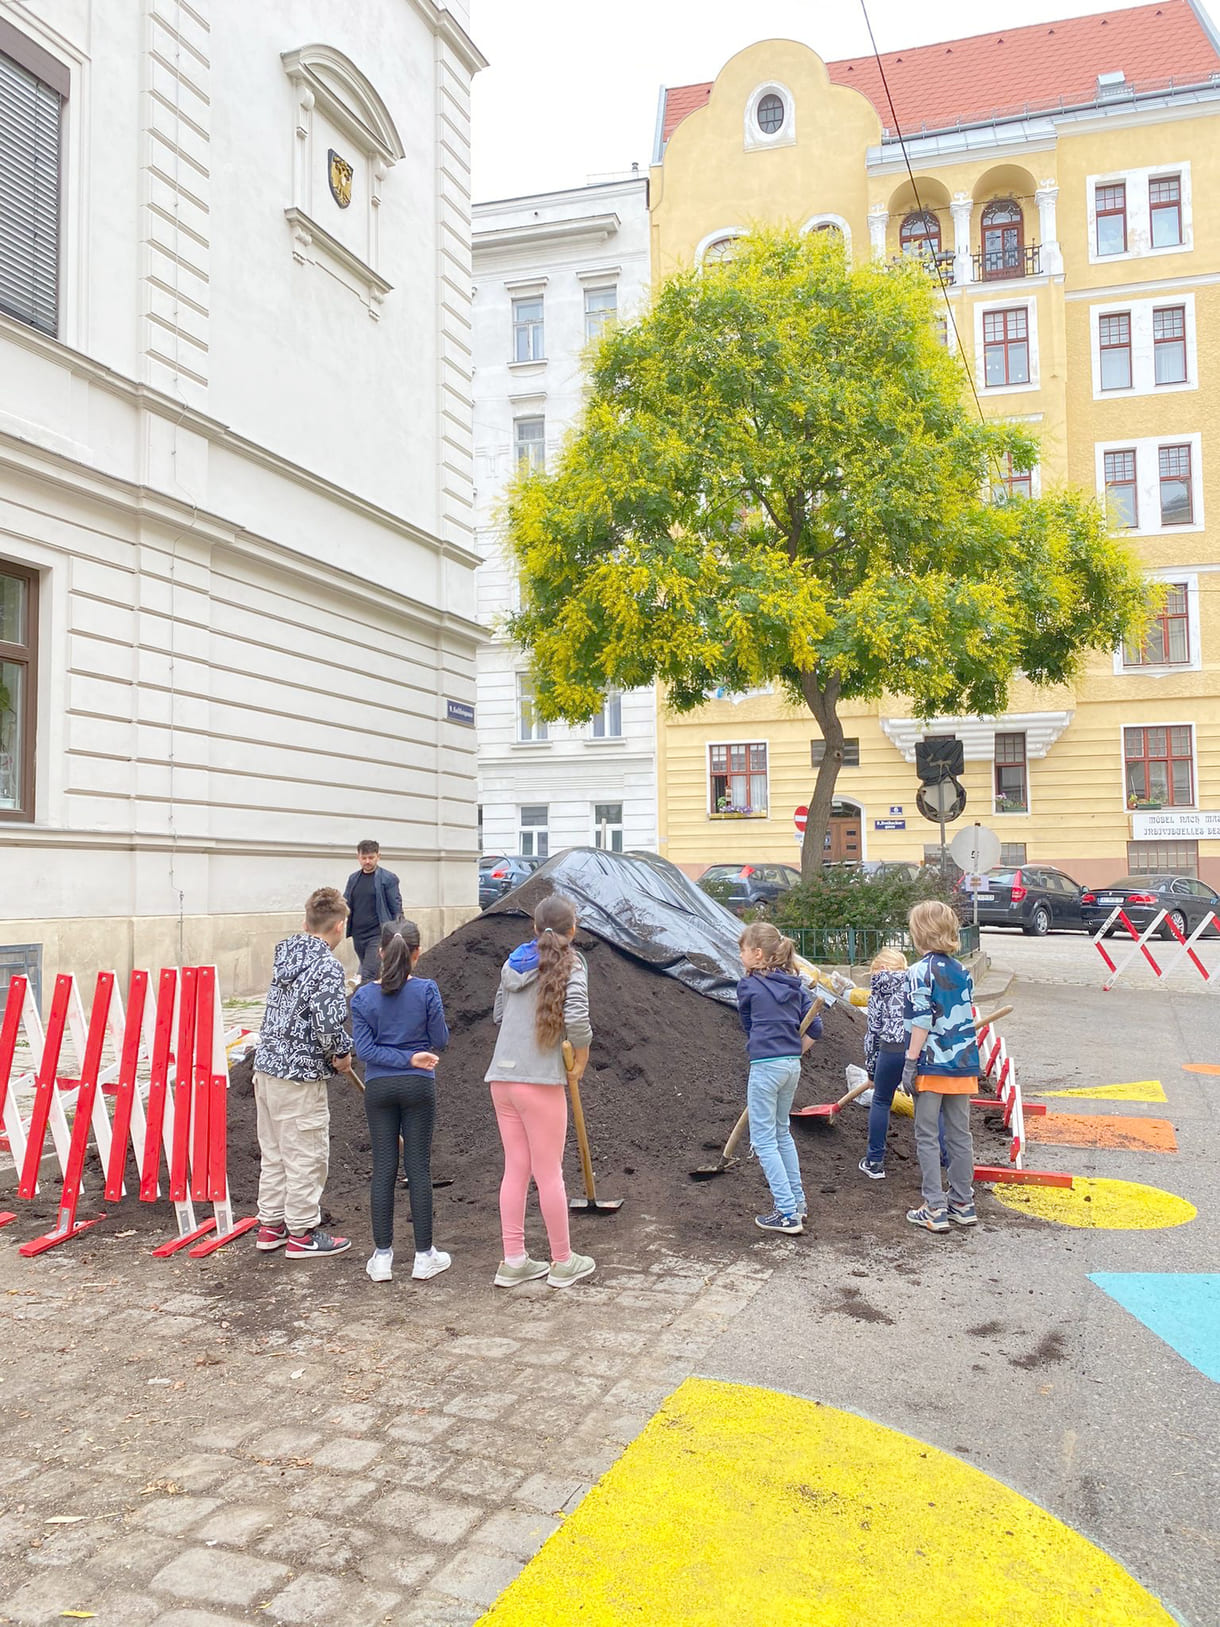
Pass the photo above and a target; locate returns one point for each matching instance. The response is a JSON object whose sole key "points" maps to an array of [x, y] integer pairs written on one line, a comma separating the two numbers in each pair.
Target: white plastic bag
{"points": [[857, 1076]]}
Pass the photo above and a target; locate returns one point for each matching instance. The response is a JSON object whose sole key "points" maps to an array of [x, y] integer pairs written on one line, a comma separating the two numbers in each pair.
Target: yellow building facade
{"points": [[1080, 259]]}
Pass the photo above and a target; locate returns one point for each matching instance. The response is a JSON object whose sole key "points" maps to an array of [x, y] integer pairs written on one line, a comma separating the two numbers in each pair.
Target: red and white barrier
{"points": [[1186, 946], [182, 1034]]}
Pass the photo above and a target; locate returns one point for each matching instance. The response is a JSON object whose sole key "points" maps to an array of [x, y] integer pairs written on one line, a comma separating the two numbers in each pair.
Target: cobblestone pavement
{"points": [[182, 1447]]}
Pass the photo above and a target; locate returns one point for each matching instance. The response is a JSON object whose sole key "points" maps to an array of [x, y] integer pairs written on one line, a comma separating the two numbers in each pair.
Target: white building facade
{"points": [[550, 271], [237, 571]]}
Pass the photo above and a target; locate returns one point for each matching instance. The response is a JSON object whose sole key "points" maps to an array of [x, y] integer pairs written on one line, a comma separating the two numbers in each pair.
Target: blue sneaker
{"points": [[932, 1220], [792, 1225], [963, 1214], [875, 1172]]}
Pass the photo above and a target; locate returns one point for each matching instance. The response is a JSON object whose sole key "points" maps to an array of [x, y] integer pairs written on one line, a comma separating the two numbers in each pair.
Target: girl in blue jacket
{"points": [[772, 1002], [399, 1029]]}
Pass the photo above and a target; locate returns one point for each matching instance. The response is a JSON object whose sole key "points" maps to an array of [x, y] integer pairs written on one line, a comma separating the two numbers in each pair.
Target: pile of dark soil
{"points": [[665, 1084]]}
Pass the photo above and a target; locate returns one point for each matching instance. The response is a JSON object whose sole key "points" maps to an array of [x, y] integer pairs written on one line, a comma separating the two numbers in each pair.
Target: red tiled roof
{"points": [[960, 81]]}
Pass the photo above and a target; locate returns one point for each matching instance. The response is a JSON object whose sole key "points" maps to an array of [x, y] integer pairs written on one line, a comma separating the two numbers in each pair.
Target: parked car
{"points": [[1036, 897], [1188, 902], [748, 886], [880, 869], [499, 873]]}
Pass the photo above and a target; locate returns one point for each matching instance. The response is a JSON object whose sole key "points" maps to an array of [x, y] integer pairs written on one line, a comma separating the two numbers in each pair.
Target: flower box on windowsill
{"points": [[1143, 805], [1005, 805], [739, 813]]}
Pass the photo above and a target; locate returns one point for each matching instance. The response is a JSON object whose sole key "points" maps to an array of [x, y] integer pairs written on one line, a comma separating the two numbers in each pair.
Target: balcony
{"points": [[998, 265]]}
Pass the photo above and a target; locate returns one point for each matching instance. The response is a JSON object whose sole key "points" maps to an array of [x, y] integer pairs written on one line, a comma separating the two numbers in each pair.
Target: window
{"points": [[1120, 487], [527, 330], [1006, 347], [723, 248], [1011, 853], [1160, 766], [1011, 791], [529, 725], [532, 838], [1003, 239], [1163, 858], [1167, 641], [18, 638], [30, 114], [851, 753], [1169, 344], [1112, 218], [739, 778], [601, 308], [1013, 482], [1114, 340], [531, 445], [941, 327], [1177, 507], [608, 826], [479, 828], [919, 235], [1165, 211], [770, 114], [608, 724]]}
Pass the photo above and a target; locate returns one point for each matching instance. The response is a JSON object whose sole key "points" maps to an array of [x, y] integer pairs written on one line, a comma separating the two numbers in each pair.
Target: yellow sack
{"points": [[903, 1105], [858, 997]]}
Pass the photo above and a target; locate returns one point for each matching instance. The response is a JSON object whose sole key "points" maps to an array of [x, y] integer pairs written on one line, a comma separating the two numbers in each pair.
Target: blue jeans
{"points": [[769, 1097], [887, 1075]]}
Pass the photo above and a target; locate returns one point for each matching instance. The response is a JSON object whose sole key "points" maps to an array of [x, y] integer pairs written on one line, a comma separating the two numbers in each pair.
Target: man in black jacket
{"points": [[373, 898]]}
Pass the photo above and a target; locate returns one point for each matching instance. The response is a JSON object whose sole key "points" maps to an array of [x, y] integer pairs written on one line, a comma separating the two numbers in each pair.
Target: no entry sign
{"points": [[799, 818]]}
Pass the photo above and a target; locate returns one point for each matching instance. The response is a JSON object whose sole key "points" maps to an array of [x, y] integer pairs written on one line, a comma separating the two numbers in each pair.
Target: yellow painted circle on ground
{"points": [[1109, 1206], [739, 1506]]}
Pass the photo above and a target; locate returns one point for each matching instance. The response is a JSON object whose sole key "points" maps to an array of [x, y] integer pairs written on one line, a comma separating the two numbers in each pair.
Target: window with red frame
{"points": [[1111, 214], [1114, 344], [1120, 487], [738, 778], [1177, 504], [1013, 482], [1006, 347], [1169, 344], [1011, 791], [1165, 210], [1160, 765], [1167, 641]]}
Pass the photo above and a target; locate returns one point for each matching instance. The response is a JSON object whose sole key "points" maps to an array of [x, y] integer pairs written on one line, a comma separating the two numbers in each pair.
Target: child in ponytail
{"points": [[772, 1002], [543, 999]]}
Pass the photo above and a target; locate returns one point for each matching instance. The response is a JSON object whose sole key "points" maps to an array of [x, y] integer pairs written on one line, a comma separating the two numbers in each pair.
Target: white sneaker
{"points": [[380, 1266], [430, 1264]]}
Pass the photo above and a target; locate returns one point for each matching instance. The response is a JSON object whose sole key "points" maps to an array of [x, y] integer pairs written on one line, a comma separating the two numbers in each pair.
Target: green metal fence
{"points": [[856, 945]]}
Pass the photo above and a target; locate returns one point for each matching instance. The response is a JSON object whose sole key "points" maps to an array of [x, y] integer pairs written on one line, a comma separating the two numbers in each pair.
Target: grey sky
{"points": [[571, 93]]}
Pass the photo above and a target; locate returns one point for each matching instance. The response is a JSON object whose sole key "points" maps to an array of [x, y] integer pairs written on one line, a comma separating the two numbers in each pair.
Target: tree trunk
{"points": [[822, 702]]}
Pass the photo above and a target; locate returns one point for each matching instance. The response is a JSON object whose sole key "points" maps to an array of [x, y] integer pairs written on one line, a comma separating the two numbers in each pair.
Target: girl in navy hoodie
{"points": [[772, 1002], [399, 1028]]}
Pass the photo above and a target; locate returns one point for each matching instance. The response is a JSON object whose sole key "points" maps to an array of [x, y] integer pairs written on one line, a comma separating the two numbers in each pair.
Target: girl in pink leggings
{"points": [[542, 1000]]}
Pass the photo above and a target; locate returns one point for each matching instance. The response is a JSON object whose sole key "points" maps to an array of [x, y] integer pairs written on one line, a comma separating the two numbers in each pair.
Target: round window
{"points": [[770, 114]]}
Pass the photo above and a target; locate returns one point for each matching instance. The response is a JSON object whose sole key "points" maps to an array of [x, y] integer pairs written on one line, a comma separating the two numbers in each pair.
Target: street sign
{"points": [[944, 801], [889, 824], [975, 849], [896, 809], [799, 818]]}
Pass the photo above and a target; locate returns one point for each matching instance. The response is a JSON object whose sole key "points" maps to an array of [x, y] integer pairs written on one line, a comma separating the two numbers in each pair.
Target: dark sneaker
{"points": [[963, 1214], [270, 1237], [314, 1243], [791, 1225], [875, 1172], [932, 1220]]}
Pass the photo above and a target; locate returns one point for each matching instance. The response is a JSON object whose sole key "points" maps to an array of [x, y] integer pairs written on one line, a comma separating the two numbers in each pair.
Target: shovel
{"points": [[830, 1110], [729, 1156], [590, 1204]]}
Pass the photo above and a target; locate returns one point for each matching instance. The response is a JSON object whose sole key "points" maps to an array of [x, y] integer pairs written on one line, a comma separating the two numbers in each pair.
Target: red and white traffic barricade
{"points": [[1163, 920], [998, 1066], [184, 1117]]}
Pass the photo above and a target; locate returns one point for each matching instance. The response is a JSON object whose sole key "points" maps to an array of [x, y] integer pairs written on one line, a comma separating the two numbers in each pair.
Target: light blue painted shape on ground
{"points": [[1180, 1307]]}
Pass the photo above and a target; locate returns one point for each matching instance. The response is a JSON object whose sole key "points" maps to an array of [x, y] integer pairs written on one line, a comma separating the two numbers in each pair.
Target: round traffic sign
{"points": [[975, 849], [799, 819], [946, 800]]}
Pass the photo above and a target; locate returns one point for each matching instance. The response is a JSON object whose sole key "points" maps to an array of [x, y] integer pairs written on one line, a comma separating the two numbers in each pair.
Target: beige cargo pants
{"points": [[293, 1117]]}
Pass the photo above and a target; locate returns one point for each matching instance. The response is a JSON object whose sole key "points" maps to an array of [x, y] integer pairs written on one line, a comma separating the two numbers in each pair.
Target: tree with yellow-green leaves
{"points": [[780, 478]]}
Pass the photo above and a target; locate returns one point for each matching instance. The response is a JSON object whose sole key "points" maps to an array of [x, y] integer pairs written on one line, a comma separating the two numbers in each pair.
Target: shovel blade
{"points": [[595, 1206]]}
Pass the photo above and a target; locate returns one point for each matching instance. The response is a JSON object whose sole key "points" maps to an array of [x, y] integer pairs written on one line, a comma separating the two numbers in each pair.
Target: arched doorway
{"points": [[1003, 239], [844, 835]]}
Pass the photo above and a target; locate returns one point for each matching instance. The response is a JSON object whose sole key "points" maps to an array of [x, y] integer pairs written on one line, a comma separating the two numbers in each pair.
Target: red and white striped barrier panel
{"points": [[185, 1118], [1185, 949]]}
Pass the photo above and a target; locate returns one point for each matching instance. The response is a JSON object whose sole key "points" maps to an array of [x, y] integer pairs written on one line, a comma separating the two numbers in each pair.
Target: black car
{"points": [[499, 873], [1036, 897], [1187, 901], [748, 886]]}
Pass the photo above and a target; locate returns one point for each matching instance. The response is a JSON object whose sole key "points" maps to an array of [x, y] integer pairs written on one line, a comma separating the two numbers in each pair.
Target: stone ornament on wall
{"points": [[345, 144]]}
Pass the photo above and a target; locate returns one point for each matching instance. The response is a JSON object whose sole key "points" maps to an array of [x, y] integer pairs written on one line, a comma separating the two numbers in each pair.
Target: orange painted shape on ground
{"points": [[1103, 1130], [1201, 1067]]}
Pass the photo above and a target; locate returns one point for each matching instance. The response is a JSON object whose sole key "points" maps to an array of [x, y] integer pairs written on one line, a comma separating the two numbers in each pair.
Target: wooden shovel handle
{"points": [[578, 1119], [992, 1017]]}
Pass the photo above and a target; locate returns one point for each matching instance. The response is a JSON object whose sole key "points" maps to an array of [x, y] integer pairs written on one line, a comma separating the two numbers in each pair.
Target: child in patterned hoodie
{"points": [[885, 1043]]}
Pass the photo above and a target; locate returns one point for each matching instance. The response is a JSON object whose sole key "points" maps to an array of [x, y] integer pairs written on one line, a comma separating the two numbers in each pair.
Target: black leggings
{"points": [[401, 1105]]}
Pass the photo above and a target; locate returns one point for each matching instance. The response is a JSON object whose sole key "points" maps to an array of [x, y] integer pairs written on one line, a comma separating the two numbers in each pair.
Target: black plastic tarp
{"points": [[646, 907]]}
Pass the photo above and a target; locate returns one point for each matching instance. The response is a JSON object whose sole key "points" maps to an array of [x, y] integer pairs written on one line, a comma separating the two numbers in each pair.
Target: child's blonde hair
{"points": [[888, 959], [779, 952], [934, 928]]}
